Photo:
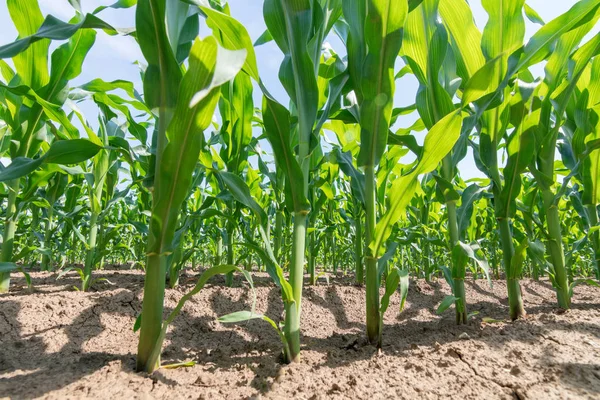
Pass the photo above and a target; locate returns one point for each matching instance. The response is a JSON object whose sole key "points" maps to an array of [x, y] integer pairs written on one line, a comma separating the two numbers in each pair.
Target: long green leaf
{"points": [[61, 152], [54, 29], [185, 132], [438, 143], [32, 64]]}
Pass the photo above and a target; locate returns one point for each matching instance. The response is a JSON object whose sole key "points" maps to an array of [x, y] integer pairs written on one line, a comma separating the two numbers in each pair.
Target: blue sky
{"points": [[113, 57]]}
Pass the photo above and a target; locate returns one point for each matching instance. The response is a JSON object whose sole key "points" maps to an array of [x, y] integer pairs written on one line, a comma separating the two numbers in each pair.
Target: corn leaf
{"points": [[233, 36], [278, 130], [373, 49], [54, 29], [163, 75], [60, 152], [32, 63], [438, 143]]}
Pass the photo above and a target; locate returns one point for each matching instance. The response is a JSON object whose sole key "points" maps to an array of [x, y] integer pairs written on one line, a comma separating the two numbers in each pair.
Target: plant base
{"points": [[515, 300]]}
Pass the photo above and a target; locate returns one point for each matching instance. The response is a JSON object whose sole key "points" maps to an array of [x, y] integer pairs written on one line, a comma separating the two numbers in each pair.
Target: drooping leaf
{"points": [[54, 29], [60, 152]]}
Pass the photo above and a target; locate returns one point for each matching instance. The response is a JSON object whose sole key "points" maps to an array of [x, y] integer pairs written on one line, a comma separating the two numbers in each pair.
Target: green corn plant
{"points": [[374, 41], [70, 213], [556, 96], [95, 183], [33, 95], [348, 135], [506, 59], [237, 111], [373, 44], [299, 28], [291, 26], [185, 104], [240, 190], [278, 128], [276, 181], [496, 44], [217, 227], [580, 151], [321, 192], [55, 189], [426, 50]]}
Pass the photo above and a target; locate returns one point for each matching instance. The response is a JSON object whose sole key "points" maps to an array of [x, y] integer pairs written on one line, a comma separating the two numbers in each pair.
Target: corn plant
{"points": [[375, 38], [579, 150], [33, 98], [508, 59], [552, 118], [185, 104], [299, 28], [237, 111]]}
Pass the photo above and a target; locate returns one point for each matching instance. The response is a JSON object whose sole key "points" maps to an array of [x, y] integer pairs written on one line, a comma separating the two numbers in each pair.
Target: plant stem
{"points": [[278, 234], [152, 310], [311, 260], [458, 271], [174, 267], [219, 251], [35, 216], [459, 275], [372, 289], [333, 254], [47, 240], [156, 261], [311, 242], [292, 314], [555, 250], [230, 256], [73, 248], [515, 300], [91, 253], [460, 303], [10, 226], [592, 212], [358, 248]]}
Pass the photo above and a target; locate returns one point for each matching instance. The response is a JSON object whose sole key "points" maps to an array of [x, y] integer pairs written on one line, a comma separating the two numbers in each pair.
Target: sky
{"points": [[114, 57]]}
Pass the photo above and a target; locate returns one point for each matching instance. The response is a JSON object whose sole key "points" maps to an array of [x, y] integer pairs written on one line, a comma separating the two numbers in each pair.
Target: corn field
{"points": [[211, 175]]}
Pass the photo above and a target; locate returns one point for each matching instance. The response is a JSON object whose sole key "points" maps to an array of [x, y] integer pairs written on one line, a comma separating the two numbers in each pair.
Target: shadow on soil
{"points": [[254, 343]]}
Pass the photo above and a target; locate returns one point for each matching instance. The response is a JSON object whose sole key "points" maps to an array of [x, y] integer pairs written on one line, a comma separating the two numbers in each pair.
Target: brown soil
{"points": [[59, 343]]}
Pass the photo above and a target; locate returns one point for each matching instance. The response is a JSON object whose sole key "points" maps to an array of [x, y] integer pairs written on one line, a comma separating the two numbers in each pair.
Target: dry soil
{"points": [[57, 343]]}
